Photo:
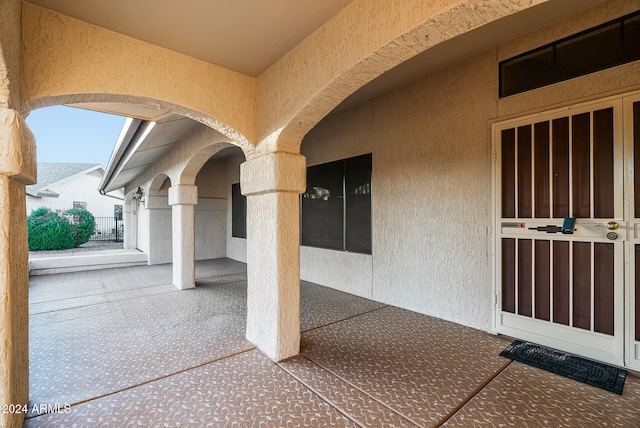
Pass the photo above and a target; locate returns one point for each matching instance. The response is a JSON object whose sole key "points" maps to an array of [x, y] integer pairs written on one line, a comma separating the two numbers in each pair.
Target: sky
{"points": [[67, 134]]}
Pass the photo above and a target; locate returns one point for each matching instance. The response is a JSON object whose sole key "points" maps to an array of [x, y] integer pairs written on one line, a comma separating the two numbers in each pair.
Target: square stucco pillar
{"points": [[126, 216], [183, 199], [17, 168], [272, 184]]}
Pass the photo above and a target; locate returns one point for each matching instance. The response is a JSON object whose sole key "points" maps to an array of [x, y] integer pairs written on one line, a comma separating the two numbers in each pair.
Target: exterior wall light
{"points": [[139, 195]]}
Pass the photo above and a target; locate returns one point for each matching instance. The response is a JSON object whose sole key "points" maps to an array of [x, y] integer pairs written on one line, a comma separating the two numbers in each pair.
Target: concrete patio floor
{"points": [[123, 347]]}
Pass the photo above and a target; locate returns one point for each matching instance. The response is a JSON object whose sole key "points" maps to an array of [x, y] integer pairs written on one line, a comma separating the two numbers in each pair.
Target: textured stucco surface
{"points": [[273, 184], [432, 175], [17, 168], [65, 56], [211, 228], [155, 221], [431, 192], [236, 247], [365, 39], [10, 47]]}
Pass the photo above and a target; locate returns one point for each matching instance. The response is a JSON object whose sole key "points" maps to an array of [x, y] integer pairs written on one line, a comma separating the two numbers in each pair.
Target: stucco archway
{"points": [[359, 56]]}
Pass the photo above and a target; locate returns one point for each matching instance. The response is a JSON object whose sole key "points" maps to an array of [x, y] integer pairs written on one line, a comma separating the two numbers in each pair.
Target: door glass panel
{"points": [[582, 285], [542, 285], [541, 170], [636, 160], [603, 287], [603, 163], [508, 173], [560, 131], [638, 292], [524, 172], [581, 130], [524, 277], [561, 282], [509, 275]]}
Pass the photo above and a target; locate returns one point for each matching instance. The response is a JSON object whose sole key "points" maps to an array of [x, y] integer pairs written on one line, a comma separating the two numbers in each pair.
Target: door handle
{"points": [[612, 225]]}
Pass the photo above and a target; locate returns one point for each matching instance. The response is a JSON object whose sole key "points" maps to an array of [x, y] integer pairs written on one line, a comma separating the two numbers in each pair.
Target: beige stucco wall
{"points": [[10, 49], [211, 211], [365, 39], [431, 193], [236, 247], [17, 168], [64, 56], [432, 175]]}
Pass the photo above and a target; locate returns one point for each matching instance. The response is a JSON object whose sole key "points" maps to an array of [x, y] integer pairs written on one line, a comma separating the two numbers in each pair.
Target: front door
{"points": [[632, 296], [561, 283]]}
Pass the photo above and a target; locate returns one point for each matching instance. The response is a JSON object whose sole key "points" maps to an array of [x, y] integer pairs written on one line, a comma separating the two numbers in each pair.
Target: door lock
{"points": [[612, 225], [612, 236]]}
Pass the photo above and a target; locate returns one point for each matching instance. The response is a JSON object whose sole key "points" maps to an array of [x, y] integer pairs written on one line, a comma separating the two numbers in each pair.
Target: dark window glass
{"points": [[542, 280], [608, 45], [336, 206], [603, 189], [509, 173], [561, 282], [560, 147], [238, 212], [524, 277], [322, 206], [529, 71], [541, 171], [581, 165], [357, 179], [524, 171], [509, 275]]}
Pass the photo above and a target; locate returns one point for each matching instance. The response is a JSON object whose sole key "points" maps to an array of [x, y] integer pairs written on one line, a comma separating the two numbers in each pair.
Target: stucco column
{"points": [[126, 217], [183, 199], [159, 217], [272, 184], [17, 168]]}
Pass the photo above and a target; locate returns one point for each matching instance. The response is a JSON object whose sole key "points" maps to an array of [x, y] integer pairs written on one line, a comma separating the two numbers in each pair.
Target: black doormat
{"points": [[590, 372]]}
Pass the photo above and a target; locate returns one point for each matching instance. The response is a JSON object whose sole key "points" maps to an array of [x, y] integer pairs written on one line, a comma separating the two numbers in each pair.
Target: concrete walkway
{"points": [[123, 347], [74, 261]]}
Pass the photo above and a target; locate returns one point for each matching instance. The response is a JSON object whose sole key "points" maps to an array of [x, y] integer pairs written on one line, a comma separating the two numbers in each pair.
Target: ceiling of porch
{"points": [[249, 36]]}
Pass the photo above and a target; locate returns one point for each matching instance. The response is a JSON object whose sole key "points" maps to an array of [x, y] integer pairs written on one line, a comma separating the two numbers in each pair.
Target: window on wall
{"points": [[238, 212], [608, 45], [79, 205], [336, 206]]}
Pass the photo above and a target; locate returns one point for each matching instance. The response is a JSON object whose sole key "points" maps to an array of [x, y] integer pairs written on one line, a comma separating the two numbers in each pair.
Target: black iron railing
{"points": [[108, 229]]}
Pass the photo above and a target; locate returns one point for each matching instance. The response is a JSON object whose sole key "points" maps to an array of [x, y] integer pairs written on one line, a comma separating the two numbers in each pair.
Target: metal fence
{"points": [[108, 229]]}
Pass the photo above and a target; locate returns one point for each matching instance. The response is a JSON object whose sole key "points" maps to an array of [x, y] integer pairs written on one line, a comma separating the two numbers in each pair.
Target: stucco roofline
{"points": [[123, 146], [46, 193]]}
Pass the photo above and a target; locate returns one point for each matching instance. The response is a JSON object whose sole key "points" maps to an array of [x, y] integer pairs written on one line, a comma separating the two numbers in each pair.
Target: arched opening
{"points": [[149, 218], [154, 222], [217, 204]]}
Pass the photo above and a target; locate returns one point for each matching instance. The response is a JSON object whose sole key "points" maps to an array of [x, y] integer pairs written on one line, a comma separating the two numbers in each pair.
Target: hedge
{"points": [[56, 230]]}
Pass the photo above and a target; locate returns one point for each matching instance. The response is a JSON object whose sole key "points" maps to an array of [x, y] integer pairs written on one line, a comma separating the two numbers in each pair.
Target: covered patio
{"points": [[124, 347]]}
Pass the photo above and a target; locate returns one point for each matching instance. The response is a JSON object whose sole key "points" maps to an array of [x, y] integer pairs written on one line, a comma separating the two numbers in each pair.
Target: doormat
{"points": [[561, 363]]}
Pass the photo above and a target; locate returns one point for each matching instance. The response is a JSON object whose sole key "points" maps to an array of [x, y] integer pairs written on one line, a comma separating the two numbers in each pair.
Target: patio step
{"points": [[86, 260]]}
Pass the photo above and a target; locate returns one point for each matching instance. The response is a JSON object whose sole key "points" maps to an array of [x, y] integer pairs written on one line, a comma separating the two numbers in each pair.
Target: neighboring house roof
{"points": [[50, 173]]}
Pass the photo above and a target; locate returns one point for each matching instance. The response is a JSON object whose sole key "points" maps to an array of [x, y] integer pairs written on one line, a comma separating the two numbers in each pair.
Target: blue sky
{"points": [[67, 134]]}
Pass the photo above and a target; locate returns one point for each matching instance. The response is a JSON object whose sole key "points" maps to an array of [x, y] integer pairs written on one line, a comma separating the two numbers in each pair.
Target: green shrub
{"points": [[48, 230], [82, 223]]}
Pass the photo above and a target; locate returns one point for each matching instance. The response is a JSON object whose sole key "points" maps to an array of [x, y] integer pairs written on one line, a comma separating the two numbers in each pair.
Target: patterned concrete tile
{"points": [[523, 396], [421, 367], [352, 402], [245, 390], [97, 332], [320, 306], [89, 351]]}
